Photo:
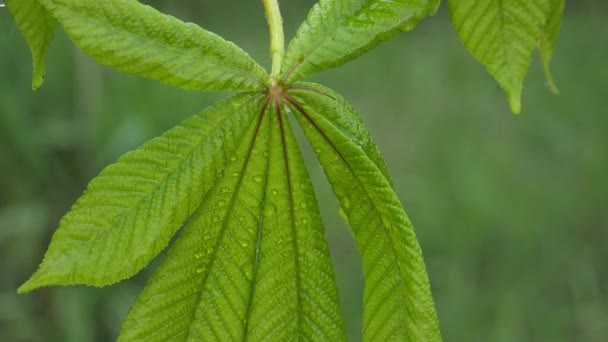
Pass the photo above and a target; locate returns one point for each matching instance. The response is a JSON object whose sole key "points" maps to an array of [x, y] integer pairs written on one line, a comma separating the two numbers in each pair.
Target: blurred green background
{"points": [[511, 211]]}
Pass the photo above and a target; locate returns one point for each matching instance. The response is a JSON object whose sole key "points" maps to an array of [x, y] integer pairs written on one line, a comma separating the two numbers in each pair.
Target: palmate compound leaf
{"points": [[37, 26], [137, 39], [252, 263], [337, 31], [129, 212], [398, 305], [503, 34]]}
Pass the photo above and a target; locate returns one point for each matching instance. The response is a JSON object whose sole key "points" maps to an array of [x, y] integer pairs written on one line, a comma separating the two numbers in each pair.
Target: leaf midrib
{"points": [[177, 50], [224, 227], [384, 223], [118, 221]]}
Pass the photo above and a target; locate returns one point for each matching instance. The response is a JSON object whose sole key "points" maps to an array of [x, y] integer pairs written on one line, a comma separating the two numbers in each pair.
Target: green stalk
{"points": [[277, 37]]}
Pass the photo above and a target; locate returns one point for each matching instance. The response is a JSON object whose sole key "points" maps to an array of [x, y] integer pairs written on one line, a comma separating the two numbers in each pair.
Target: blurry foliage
{"points": [[510, 211]]}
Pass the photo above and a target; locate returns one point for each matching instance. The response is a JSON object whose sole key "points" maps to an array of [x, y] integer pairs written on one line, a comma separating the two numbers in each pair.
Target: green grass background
{"points": [[511, 211]]}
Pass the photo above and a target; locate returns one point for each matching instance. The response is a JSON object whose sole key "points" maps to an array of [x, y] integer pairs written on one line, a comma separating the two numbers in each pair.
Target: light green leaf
{"points": [[252, 264], [294, 296], [129, 212], [340, 113], [136, 39], [337, 31], [37, 26], [548, 40], [503, 34], [398, 305]]}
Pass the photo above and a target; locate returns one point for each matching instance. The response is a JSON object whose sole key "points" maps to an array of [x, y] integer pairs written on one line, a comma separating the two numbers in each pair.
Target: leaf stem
{"points": [[277, 37]]}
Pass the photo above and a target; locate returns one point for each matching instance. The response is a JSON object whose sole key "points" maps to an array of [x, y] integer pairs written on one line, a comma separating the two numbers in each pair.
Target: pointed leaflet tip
{"points": [[37, 26], [487, 30], [514, 100], [548, 40], [130, 212]]}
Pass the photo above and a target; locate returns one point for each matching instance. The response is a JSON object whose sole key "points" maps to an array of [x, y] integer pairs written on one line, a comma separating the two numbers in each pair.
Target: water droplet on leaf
{"points": [[270, 209], [200, 270], [258, 178], [275, 192], [224, 189], [216, 218], [221, 203]]}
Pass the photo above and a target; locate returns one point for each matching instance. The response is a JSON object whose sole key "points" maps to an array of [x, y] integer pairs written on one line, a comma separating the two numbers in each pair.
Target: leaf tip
{"points": [[27, 287], [550, 82], [514, 96], [37, 82]]}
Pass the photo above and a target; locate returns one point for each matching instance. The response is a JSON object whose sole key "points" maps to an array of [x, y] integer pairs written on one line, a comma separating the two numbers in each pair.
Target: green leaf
{"points": [[252, 263], [337, 31], [340, 113], [397, 301], [136, 39], [129, 212], [548, 40], [502, 35], [295, 296], [37, 26]]}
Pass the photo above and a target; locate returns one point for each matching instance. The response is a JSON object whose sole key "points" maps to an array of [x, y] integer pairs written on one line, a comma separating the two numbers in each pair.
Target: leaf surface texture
{"points": [[397, 300], [503, 34], [37, 26], [129, 212], [137, 39], [252, 263], [337, 31]]}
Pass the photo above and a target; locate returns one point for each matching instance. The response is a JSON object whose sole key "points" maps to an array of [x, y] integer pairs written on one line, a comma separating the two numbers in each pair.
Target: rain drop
{"points": [[244, 243], [304, 221], [216, 218], [200, 270], [224, 189], [258, 178], [270, 209], [235, 174], [221, 203], [233, 157], [198, 256], [318, 150], [248, 273], [275, 192], [303, 205]]}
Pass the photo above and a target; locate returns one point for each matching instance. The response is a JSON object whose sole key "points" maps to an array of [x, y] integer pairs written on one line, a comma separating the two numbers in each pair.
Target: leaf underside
{"points": [[502, 35], [37, 26]]}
